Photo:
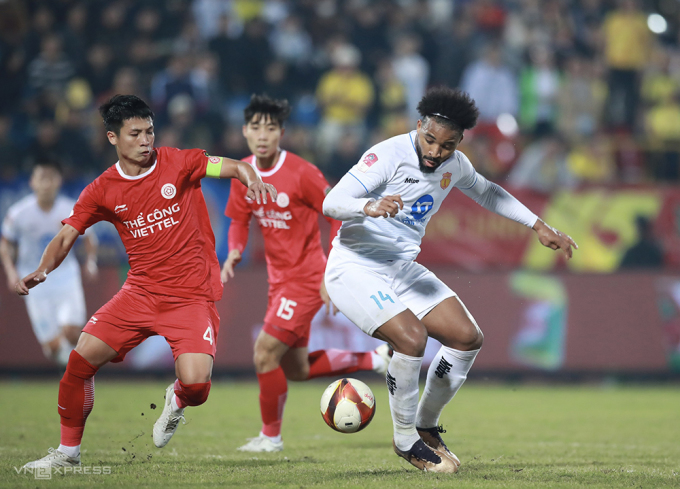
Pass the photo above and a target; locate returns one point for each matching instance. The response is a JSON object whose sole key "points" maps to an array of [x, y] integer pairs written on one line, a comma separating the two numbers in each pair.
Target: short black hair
{"points": [[277, 110], [48, 162], [453, 108], [120, 108]]}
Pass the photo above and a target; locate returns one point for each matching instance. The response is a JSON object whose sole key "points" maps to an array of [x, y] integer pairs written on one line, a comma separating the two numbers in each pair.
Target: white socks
{"points": [[402, 382], [61, 356], [275, 439], [173, 404], [70, 451], [446, 374]]}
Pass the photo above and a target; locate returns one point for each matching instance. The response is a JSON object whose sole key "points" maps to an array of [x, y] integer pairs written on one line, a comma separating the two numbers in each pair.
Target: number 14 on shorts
{"points": [[383, 298]]}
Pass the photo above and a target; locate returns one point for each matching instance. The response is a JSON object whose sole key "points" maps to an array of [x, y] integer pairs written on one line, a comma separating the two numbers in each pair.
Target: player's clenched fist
{"points": [[257, 191], [388, 206]]}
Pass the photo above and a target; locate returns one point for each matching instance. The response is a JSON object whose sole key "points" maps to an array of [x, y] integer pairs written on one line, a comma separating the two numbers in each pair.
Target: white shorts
{"points": [[370, 293], [49, 312]]}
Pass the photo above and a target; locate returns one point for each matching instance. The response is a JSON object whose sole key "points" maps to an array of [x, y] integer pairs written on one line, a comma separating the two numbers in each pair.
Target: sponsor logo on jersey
{"points": [[411, 180], [168, 191], [93, 320], [422, 206], [445, 181], [120, 208], [369, 160], [282, 199], [272, 218], [157, 220]]}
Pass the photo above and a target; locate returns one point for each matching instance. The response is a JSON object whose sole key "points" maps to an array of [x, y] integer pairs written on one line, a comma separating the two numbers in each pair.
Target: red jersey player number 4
{"points": [[153, 197]]}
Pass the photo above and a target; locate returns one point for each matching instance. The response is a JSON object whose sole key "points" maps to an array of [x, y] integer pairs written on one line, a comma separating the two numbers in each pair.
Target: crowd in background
{"points": [[570, 92]]}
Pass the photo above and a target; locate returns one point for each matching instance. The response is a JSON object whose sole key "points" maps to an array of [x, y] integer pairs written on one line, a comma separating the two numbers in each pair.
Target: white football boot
{"points": [[261, 443], [166, 425], [385, 352], [54, 458]]}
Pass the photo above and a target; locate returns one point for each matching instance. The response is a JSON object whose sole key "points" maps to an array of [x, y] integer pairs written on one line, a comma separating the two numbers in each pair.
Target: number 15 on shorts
{"points": [[383, 298]]}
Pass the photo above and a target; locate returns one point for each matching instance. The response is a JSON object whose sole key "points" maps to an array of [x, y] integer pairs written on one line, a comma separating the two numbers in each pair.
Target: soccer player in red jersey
{"points": [[153, 197], [295, 265]]}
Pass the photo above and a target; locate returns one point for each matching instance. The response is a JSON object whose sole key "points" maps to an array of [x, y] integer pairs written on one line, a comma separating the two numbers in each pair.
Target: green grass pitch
{"points": [[506, 436]]}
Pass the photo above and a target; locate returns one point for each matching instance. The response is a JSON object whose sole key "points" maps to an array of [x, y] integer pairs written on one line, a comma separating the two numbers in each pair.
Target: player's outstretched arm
{"points": [[554, 239], [257, 189], [54, 254], [8, 253]]}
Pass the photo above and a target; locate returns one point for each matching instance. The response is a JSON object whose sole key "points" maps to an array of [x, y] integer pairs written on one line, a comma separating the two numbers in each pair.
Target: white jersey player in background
{"points": [[385, 203], [56, 310]]}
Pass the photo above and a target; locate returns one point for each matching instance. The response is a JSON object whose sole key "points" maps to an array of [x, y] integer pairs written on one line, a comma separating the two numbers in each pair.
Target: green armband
{"points": [[214, 167]]}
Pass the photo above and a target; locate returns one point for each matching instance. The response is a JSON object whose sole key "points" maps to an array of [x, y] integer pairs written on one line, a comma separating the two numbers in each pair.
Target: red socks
{"points": [[273, 394], [76, 398], [323, 363]]}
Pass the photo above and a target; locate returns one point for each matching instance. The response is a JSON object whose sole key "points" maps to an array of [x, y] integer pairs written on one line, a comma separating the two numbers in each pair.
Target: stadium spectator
{"points": [[646, 252], [344, 94], [457, 46], [539, 84], [413, 70], [52, 69], [627, 47], [542, 166], [492, 84], [580, 99]]}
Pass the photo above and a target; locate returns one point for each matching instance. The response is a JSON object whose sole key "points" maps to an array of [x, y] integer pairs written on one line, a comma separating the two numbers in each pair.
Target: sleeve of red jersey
{"points": [[239, 211], [315, 187], [86, 211], [196, 161]]}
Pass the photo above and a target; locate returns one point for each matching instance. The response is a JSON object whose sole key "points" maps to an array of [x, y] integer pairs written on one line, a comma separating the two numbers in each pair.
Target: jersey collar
{"points": [[274, 169], [137, 177]]}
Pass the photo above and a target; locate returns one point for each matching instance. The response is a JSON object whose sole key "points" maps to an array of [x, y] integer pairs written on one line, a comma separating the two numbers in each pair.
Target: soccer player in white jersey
{"points": [[385, 202], [57, 311]]}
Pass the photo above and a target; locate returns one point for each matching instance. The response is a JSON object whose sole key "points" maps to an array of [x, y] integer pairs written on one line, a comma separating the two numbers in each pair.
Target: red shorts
{"points": [[133, 314], [290, 310]]}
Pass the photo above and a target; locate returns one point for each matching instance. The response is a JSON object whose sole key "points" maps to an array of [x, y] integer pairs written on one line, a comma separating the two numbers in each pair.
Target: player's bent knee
{"points": [[193, 394], [411, 342], [297, 375]]}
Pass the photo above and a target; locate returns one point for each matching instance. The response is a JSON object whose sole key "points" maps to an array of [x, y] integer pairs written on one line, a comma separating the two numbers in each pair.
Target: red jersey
{"points": [[292, 241], [162, 219]]}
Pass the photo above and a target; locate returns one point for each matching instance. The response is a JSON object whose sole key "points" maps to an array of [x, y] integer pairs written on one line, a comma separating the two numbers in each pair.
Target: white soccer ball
{"points": [[347, 405]]}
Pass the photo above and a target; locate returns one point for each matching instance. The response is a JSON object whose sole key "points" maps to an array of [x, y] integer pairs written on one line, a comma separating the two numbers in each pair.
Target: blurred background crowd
{"points": [[571, 92]]}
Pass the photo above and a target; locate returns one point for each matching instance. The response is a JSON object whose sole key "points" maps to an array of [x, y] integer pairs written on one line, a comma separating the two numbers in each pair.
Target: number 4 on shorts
{"points": [[208, 335], [383, 297]]}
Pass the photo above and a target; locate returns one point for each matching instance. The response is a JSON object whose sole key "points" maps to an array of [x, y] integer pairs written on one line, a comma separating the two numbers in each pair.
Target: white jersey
{"points": [[31, 228], [392, 168]]}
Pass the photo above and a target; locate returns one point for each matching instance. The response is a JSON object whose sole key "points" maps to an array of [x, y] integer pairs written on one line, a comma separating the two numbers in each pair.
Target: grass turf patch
{"points": [[505, 436]]}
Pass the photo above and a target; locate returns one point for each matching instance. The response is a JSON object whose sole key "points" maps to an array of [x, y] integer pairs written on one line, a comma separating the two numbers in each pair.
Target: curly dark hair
{"points": [[120, 108], [453, 108], [277, 110]]}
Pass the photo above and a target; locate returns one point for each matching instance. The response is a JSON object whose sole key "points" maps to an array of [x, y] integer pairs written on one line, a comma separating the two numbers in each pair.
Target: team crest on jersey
{"points": [[445, 181], [369, 160], [282, 199], [168, 191]]}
